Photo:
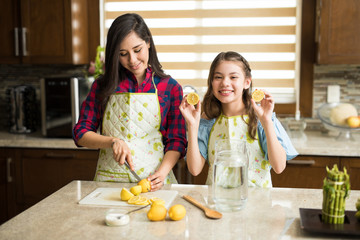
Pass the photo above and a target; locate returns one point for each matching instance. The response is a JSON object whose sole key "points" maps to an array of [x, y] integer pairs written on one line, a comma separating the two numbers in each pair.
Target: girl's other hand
{"points": [[266, 107], [121, 152], [191, 113]]}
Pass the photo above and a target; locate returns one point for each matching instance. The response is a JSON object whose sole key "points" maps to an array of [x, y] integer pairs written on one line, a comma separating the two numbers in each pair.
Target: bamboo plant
{"points": [[335, 189]]}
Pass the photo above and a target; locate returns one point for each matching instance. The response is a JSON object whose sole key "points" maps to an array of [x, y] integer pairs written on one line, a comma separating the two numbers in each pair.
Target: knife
{"points": [[133, 172]]}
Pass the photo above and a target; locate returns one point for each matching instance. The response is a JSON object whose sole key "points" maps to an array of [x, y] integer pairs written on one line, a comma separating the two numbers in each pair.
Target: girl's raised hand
{"points": [[191, 113], [265, 109]]}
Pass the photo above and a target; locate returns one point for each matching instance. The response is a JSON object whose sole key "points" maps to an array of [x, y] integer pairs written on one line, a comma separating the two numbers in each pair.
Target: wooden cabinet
{"points": [[44, 32], [310, 171], [338, 34], [7, 189], [43, 171], [304, 172], [37, 173], [353, 167]]}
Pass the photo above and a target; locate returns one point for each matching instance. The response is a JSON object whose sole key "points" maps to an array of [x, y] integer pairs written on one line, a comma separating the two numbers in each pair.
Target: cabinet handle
{"points": [[301, 162], [55, 155], [8, 170], [23, 31], [16, 38]]}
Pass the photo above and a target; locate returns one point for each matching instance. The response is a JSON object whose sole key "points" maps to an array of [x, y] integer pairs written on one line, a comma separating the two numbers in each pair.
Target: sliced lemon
{"points": [[125, 194], [136, 190], [145, 202], [258, 95], [192, 98], [134, 199]]}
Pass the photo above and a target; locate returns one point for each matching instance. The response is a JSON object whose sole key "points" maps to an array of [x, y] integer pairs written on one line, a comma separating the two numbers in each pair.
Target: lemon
{"points": [[192, 98], [125, 194], [157, 213], [258, 95], [134, 199], [177, 212], [136, 190], [145, 185], [142, 201], [146, 202], [156, 200]]}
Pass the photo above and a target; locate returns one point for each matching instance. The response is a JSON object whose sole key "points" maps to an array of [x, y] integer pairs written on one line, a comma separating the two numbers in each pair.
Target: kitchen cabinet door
{"points": [[44, 171], [304, 172], [353, 168], [10, 46], [7, 190], [338, 34], [46, 32]]}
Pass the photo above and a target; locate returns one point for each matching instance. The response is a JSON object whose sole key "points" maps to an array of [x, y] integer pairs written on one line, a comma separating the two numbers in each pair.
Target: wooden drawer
{"points": [[304, 172]]}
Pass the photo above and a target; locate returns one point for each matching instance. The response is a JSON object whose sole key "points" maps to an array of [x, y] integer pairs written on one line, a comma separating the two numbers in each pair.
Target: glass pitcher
{"points": [[230, 176]]}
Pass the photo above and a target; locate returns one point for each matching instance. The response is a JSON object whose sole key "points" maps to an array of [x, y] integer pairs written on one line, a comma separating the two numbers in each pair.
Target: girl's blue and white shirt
{"points": [[206, 126]]}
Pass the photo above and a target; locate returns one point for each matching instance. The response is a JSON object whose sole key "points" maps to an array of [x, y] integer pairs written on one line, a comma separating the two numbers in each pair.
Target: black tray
{"points": [[310, 220]]}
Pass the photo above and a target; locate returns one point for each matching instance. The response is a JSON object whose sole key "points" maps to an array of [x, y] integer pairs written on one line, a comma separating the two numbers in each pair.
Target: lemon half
{"points": [[192, 98], [258, 95], [125, 194]]}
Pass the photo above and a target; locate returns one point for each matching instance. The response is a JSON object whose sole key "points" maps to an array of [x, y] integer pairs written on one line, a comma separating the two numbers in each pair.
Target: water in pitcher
{"points": [[230, 181]]}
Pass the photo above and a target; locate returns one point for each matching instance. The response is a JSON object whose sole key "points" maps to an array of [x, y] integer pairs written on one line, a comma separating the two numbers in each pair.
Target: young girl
{"points": [[228, 105]]}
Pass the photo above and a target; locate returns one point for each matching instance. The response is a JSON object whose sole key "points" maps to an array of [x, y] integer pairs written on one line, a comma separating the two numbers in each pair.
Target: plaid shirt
{"points": [[170, 95]]}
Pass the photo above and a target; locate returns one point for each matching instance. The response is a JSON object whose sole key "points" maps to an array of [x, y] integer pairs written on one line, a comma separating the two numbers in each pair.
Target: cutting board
{"points": [[111, 197]]}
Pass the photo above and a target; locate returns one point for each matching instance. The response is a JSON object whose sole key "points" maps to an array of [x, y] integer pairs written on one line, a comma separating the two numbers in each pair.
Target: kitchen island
{"points": [[269, 214]]}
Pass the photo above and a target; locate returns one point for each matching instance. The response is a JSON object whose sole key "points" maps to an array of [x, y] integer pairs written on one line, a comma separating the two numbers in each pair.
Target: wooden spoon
{"points": [[208, 212]]}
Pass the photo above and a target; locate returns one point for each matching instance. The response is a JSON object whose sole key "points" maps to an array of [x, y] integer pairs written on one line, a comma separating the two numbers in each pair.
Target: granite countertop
{"points": [[322, 144], [268, 214], [306, 143], [35, 140]]}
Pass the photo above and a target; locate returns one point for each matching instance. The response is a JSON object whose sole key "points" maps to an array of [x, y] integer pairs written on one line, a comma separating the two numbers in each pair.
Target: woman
{"points": [[137, 106]]}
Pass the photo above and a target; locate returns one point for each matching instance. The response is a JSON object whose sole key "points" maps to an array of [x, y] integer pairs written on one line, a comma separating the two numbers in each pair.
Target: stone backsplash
{"points": [[346, 76]]}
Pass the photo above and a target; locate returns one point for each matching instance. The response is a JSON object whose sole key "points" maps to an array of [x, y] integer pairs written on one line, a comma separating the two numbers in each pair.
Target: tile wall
{"points": [[346, 76]]}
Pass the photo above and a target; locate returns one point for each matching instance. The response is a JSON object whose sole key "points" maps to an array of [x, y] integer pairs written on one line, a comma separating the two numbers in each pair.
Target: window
{"points": [[189, 34]]}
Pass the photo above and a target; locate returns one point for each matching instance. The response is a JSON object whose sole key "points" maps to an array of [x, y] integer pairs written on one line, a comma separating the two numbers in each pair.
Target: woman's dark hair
{"points": [[212, 106], [114, 71]]}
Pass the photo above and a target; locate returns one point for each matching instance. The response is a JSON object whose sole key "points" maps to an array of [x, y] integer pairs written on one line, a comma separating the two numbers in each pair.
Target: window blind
{"points": [[189, 34]]}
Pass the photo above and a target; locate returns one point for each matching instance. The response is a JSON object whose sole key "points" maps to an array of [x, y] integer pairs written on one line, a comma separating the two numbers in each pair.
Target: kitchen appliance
{"points": [[61, 98], [22, 110]]}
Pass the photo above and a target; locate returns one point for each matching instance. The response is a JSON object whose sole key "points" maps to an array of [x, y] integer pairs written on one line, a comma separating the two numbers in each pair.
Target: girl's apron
{"points": [[134, 118], [235, 128]]}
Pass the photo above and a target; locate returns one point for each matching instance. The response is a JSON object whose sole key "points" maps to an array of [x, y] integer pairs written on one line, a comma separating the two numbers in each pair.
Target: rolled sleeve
{"points": [[90, 115], [203, 136], [175, 134]]}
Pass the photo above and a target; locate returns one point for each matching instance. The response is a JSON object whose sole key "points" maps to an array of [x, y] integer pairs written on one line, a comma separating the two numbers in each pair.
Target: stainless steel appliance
{"points": [[61, 98], [22, 111]]}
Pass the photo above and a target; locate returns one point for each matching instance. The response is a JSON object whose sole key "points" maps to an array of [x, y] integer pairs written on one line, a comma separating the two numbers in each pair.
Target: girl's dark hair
{"points": [[212, 106], [114, 71]]}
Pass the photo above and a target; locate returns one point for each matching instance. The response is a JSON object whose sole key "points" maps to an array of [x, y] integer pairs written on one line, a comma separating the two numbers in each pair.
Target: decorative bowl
{"points": [[345, 132]]}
